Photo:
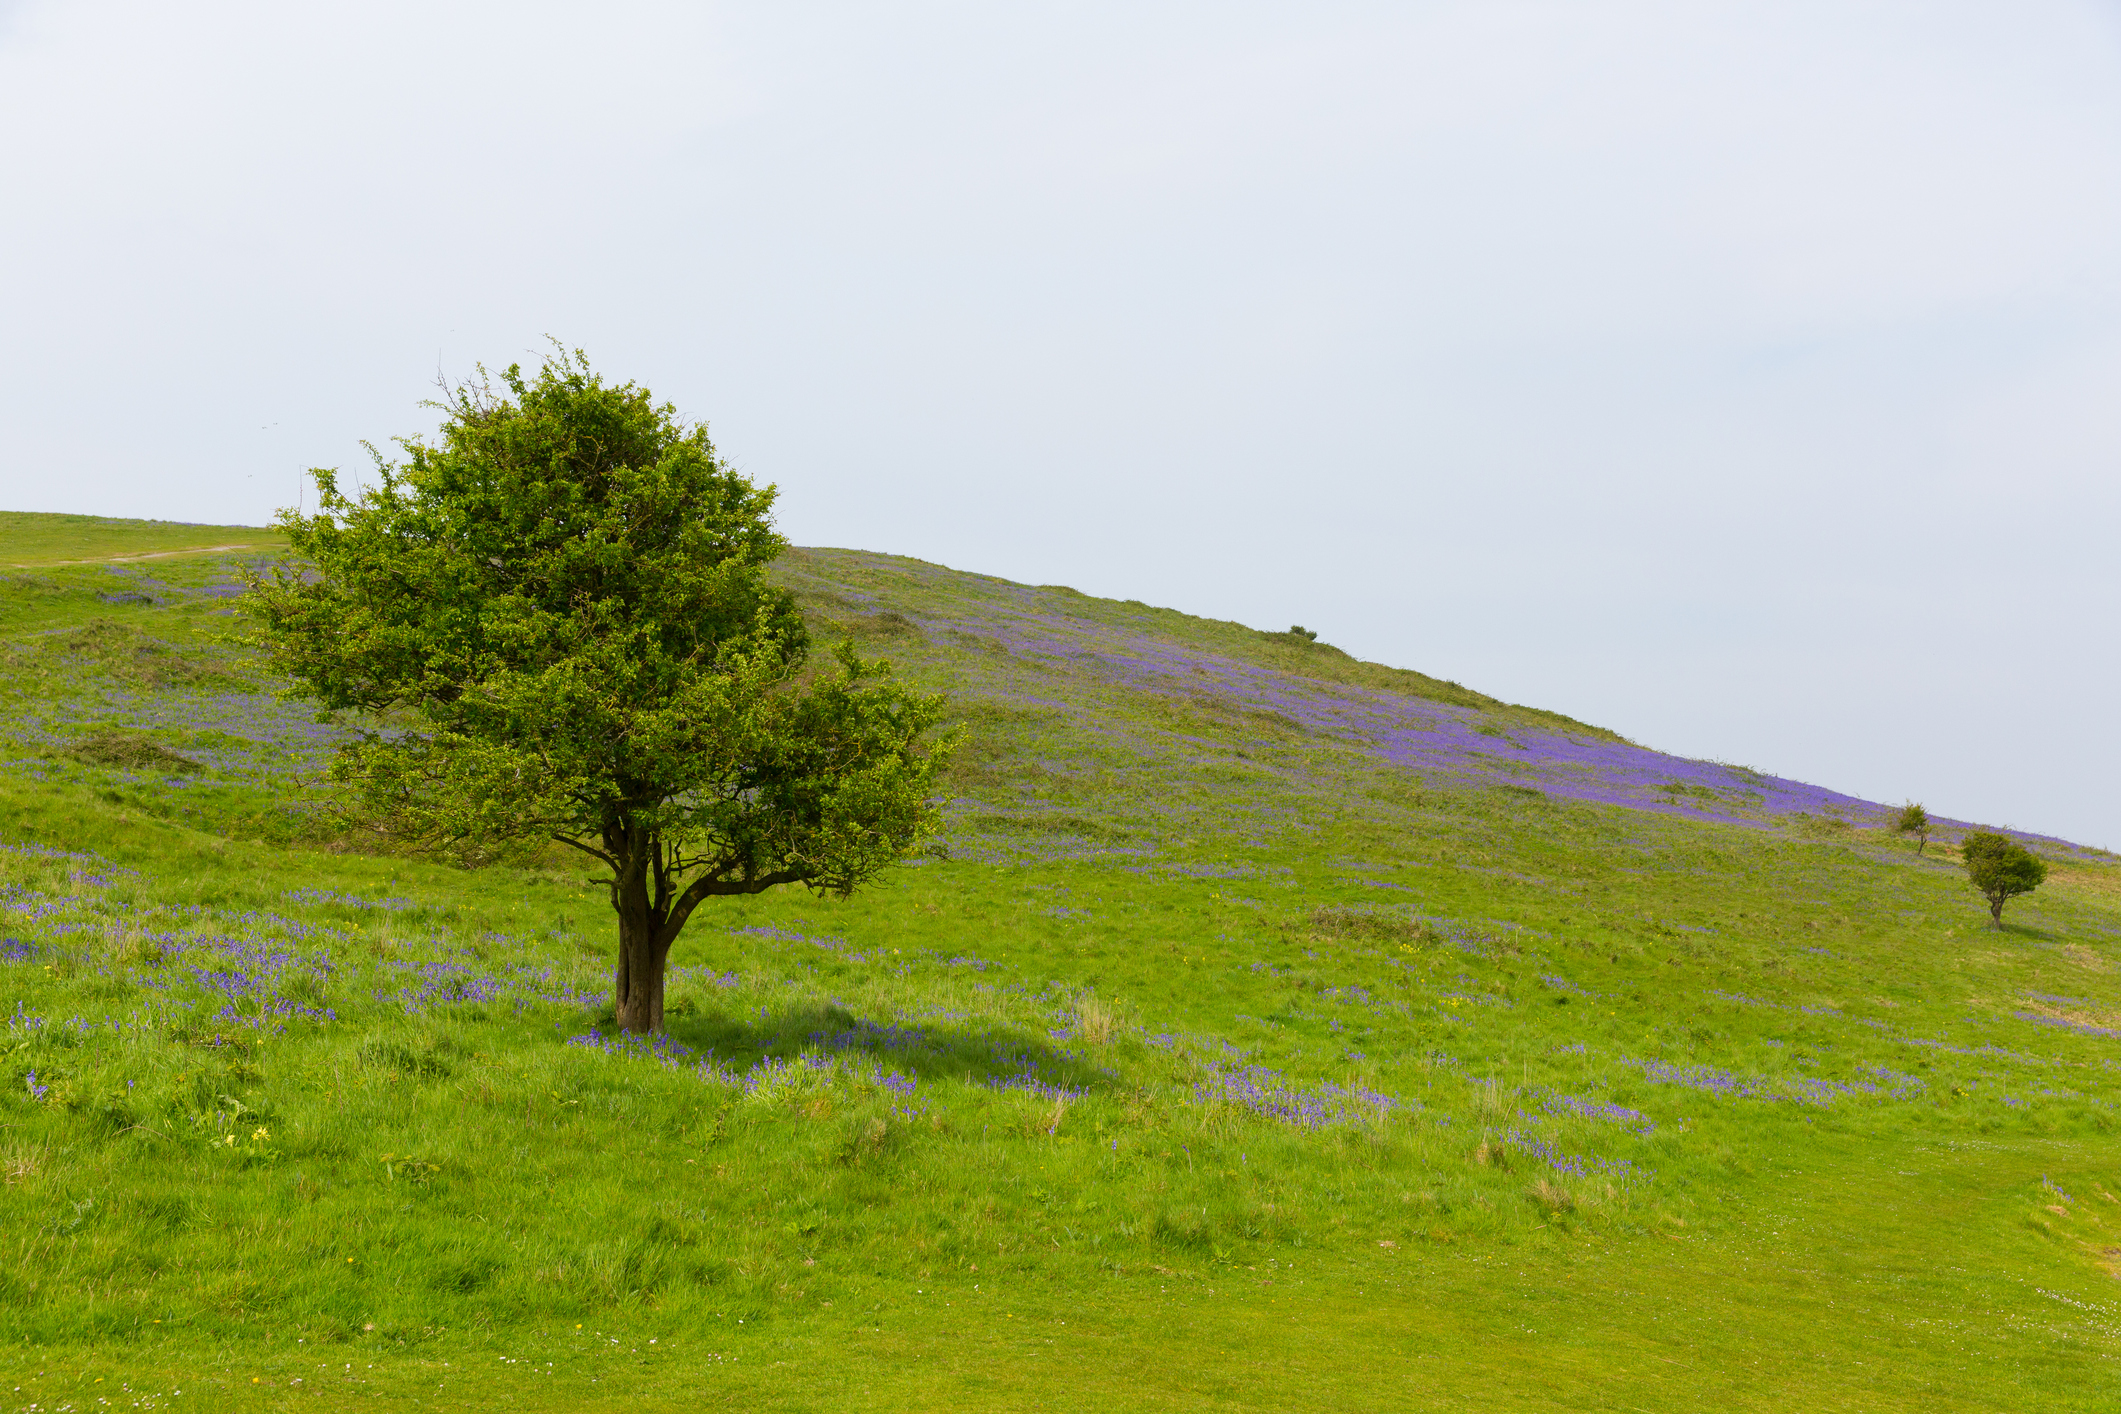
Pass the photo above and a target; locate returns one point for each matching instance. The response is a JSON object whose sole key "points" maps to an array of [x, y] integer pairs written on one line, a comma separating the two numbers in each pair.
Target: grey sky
{"points": [[1739, 376]]}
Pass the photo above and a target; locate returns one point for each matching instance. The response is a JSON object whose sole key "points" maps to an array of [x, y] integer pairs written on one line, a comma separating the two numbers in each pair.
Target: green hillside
{"points": [[1275, 1031], [30, 540]]}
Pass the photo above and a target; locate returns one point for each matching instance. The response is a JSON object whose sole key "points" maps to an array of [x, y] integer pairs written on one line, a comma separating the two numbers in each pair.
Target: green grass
{"points": [[1598, 1108], [34, 540]]}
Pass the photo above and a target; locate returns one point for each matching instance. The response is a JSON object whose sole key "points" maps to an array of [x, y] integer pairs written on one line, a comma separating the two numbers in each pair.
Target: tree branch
{"points": [[715, 885], [589, 850]]}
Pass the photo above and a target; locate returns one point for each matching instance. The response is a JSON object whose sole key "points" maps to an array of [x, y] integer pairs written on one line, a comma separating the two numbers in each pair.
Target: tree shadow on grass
{"points": [[940, 1049]]}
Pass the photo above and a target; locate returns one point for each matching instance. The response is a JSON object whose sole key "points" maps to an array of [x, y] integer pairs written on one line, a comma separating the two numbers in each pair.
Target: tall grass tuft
{"points": [[1094, 1021]]}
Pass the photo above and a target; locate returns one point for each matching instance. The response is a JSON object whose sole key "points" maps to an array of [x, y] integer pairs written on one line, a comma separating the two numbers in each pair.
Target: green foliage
{"points": [[556, 622], [2000, 868], [1912, 819]]}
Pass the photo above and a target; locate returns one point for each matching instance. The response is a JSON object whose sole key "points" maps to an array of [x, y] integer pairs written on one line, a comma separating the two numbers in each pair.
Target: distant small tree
{"points": [[2001, 869], [1308, 635], [559, 616], [1913, 820]]}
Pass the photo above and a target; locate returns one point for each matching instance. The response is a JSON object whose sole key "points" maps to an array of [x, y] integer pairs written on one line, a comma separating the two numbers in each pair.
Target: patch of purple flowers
{"points": [[1801, 1088], [1270, 1094], [2082, 1028], [251, 977], [315, 897], [767, 930], [873, 1036], [1434, 738], [1636, 1120], [442, 982], [1898, 1085], [32, 850], [1576, 1165], [1030, 1082]]}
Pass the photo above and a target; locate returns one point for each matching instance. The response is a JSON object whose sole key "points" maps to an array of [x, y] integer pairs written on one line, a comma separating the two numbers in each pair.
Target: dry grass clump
{"points": [[1363, 925], [20, 1163], [888, 624], [140, 950], [1095, 1021], [1551, 1196], [106, 746]]}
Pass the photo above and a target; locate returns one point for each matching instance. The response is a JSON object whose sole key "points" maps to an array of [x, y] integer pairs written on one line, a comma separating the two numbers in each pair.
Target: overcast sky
{"points": [[1739, 376]]}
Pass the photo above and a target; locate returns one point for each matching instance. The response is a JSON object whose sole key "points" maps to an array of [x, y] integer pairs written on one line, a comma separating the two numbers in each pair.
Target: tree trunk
{"points": [[653, 903], [638, 989], [1995, 908]]}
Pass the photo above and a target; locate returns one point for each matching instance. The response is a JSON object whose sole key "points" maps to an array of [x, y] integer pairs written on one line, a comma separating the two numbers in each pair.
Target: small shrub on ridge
{"points": [[1913, 820]]}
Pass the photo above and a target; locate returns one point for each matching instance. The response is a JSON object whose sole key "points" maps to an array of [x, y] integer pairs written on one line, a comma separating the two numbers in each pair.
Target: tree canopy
{"points": [[555, 621], [2001, 869]]}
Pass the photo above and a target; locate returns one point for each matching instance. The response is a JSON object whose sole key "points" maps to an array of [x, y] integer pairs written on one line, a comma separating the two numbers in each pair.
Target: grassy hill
{"points": [[30, 540], [1277, 1031]]}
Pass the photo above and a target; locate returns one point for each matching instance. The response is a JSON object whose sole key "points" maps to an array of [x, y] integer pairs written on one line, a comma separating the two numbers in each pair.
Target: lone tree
{"points": [[1913, 820], [557, 615], [2001, 869]]}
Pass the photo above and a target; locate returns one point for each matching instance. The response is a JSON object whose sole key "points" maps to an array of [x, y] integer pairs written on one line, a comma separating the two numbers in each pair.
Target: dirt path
{"points": [[122, 559]]}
